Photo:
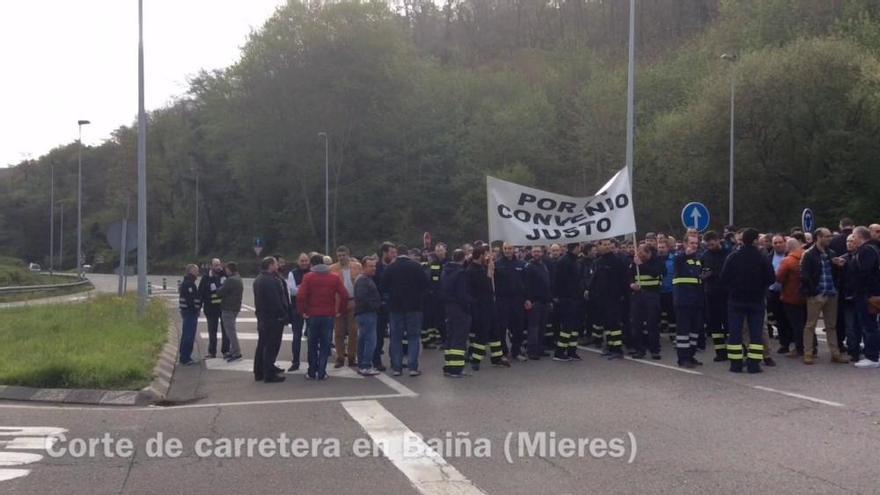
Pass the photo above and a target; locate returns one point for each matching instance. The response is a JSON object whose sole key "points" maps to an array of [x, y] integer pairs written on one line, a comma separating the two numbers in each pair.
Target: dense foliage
{"points": [[422, 99]]}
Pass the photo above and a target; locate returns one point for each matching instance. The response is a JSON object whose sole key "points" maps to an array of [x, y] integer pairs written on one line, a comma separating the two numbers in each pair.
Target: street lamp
{"points": [[732, 58], [326, 192], [51, 217], [61, 238], [79, 191]]}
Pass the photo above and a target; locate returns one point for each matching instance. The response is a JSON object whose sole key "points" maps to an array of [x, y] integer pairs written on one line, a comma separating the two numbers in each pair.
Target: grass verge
{"points": [[100, 343]]}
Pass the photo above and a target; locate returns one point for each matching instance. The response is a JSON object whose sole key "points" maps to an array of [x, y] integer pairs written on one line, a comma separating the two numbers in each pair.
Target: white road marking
{"points": [[8, 459], [645, 361], [799, 396], [428, 472], [23, 438], [248, 307], [11, 474], [237, 320], [286, 337], [400, 388], [247, 365]]}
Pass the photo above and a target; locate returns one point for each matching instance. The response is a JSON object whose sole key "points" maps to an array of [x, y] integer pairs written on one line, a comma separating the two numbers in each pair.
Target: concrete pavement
{"points": [[791, 429]]}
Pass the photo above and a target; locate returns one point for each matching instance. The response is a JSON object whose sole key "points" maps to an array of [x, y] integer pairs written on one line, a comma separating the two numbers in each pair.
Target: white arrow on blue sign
{"points": [[808, 221], [695, 216]]}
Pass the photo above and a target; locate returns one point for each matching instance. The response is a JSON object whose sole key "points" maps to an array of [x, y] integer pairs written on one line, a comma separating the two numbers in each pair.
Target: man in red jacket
{"points": [[317, 302]]}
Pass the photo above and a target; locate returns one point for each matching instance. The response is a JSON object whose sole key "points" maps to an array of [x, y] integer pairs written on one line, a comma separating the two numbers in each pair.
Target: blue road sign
{"points": [[695, 216], [808, 221]]}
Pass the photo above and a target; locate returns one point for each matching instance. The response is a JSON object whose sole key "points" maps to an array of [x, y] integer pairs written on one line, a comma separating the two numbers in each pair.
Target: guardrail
{"points": [[38, 288]]}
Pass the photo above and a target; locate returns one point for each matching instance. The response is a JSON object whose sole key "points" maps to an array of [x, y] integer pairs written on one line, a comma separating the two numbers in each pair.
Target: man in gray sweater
{"points": [[230, 305], [366, 307]]}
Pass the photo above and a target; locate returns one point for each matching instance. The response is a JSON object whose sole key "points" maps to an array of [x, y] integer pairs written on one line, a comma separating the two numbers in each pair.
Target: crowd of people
{"points": [[497, 304]]}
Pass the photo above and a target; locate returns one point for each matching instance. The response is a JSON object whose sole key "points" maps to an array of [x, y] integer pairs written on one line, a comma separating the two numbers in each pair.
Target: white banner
{"points": [[524, 216]]}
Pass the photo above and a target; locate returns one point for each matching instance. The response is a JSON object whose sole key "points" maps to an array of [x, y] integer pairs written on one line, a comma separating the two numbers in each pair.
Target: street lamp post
{"points": [[141, 171], [79, 192], [61, 238], [732, 58], [51, 217], [196, 172], [326, 192]]}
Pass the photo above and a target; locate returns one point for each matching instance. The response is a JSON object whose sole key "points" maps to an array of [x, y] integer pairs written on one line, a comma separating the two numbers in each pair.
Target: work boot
{"points": [[808, 359], [793, 354], [839, 358], [768, 361], [736, 366], [720, 356], [754, 366]]}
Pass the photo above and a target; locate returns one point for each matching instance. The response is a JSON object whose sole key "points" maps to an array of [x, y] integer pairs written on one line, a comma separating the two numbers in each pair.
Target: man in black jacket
{"points": [[455, 294], [716, 295], [866, 284], [746, 274], [273, 312], [568, 293], [648, 272], [208, 287], [190, 303], [487, 335], [510, 296], [537, 282], [407, 285], [608, 288]]}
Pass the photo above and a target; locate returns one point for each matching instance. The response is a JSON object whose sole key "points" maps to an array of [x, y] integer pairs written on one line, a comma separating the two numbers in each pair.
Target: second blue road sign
{"points": [[695, 216]]}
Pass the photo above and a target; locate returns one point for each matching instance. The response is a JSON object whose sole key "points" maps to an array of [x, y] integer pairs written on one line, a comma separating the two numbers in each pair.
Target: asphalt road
{"points": [[791, 429]]}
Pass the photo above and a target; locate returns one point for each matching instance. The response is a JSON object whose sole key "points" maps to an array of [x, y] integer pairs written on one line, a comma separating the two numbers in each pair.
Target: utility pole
{"points": [[51, 217]]}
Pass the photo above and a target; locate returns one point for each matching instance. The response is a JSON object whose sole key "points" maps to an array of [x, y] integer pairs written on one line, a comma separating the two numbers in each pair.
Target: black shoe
{"points": [[453, 375], [380, 367], [503, 363], [233, 357], [475, 366], [211, 355], [755, 368], [293, 367], [258, 378], [561, 357], [274, 379], [656, 357], [768, 361], [545, 354], [615, 355], [574, 356], [535, 358], [696, 363], [736, 367], [638, 355], [309, 377], [719, 358], [686, 364], [278, 370], [322, 376]]}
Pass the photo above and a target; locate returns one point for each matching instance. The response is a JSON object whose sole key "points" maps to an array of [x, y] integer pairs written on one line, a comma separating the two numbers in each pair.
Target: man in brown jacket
{"points": [[345, 326], [794, 303]]}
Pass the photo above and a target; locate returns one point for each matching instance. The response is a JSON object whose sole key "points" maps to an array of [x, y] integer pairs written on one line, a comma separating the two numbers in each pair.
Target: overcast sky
{"points": [[65, 60]]}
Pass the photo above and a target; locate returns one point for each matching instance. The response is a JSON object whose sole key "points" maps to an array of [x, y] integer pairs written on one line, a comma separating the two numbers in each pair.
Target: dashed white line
{"points": [[427, 470], [799, 396]]}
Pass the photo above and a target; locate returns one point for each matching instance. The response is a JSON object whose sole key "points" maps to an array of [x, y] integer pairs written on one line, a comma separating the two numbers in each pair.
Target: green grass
{"points": [[97, 344]]}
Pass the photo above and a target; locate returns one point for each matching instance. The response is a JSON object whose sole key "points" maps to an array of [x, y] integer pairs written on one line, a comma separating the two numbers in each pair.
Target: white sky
{"points": [[65, 60]]}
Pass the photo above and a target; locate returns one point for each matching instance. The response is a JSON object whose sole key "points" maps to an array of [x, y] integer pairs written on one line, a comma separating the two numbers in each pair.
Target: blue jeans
{"points": [[188, 334], [870, 332], [320, 329], [409, 325], [366, 323]]}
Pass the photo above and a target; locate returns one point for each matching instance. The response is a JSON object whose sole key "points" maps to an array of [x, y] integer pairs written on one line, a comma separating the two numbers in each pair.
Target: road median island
{"points": [[98, 344]]}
